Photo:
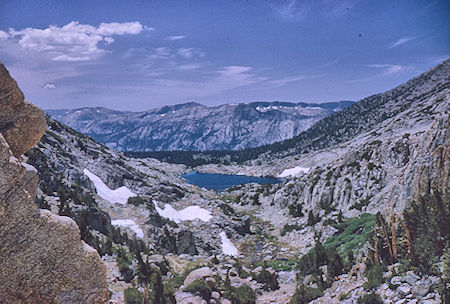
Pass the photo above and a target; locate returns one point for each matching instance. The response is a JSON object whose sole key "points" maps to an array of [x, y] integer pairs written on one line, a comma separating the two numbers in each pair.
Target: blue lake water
{"points": [[221, 182]]}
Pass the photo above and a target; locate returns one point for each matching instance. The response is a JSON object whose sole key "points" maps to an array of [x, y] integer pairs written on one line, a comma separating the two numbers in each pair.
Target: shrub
{"points": [[136, 200], [312, 219], [126, 271], [352, 233], [132, 296], [242, 295], [304, 294], [269, 279], [371, 298], [201, 288], [295, 210], [374, 274], [288, 228], [427, 221], [362, 203], [343, 296], [335, 265]]}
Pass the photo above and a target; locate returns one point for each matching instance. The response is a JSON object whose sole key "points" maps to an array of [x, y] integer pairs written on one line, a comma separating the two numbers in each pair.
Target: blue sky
{"points": [[137, 55]]}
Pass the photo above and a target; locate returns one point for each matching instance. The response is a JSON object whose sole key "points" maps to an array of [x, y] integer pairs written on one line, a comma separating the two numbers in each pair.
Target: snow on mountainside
{"points": [[192, 126]]}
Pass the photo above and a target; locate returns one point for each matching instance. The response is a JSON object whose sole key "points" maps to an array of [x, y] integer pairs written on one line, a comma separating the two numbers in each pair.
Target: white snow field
{"points": [[187, 214], [129, 224], [292, 172], [119, 195], [227, 247]]}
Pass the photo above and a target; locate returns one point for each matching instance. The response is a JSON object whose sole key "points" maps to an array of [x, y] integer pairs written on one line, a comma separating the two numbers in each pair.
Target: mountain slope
{"points": [[192, 126], [386, 163], [363, 115]]}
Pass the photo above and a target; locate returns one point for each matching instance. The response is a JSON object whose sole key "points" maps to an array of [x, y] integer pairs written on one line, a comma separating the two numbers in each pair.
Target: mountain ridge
{"points": [[193, 126]]}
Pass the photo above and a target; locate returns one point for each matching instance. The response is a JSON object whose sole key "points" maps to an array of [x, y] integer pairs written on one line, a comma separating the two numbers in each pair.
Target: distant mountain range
{"points": [[192, 126]]}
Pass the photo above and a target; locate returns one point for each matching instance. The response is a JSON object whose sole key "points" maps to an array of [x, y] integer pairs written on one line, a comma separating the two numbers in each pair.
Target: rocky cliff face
{"points": [[42, 259], [192, 126]]}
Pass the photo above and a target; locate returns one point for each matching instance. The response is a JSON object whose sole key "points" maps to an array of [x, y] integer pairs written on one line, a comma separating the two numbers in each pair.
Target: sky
{"points": [[137, 55]]}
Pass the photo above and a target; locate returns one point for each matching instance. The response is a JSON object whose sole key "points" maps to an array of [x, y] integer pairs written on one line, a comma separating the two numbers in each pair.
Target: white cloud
{"points": [[401, 41], [3, 35], [389, 69], [49, 86], [70, 58], [173, 38], [115, 28], [189, 53], [189, 66], [73, 41], [109, 40], [286, 80]]}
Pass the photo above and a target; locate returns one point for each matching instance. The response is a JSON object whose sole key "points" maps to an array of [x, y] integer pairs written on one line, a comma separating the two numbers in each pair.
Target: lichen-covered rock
{"points": [[42, 259]]}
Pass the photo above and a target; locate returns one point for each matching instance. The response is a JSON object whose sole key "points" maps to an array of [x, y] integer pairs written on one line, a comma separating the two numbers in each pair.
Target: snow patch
{"points": [[227, 247], [187, 214], [119, 195], [129, 224], [29, 167], [292, 172]]}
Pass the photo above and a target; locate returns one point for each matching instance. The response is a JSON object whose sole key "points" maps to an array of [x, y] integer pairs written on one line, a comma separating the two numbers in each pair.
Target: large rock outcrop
{"points": [[42, 259]]}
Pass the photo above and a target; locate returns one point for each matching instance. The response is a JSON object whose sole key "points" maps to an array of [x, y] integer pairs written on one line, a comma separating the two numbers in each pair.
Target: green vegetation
{"points": [[362, 203], [124, 262], [136, 201], [279, 265], [304, 294], [295, 209], [427, 221], [240, 270], [132, 296], [374, 274], [288, 228], [312, 219], [241, 295], [352, 233], [201, 288], [310, 264], [343, 296], [371, 298], [267, 278]]}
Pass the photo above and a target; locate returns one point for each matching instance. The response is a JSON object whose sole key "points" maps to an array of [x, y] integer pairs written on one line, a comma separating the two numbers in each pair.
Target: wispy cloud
{"points": [[289, 79], [401, 41], [329, 63], [301, 9], [389, 69], [189, 53], [189, 67], [173, 38], [73, 41], [214, 82]]}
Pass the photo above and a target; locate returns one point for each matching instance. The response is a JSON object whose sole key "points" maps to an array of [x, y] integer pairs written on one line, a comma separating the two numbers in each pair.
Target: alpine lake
{"points": [[220, 182]]}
